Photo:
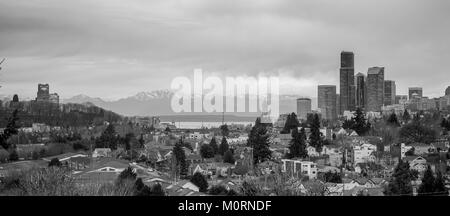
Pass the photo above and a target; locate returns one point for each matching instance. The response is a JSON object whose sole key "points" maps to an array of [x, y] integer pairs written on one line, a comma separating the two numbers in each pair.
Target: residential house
{"points": [[300, 168], [101, 152], [417, 163], [420, 148]]}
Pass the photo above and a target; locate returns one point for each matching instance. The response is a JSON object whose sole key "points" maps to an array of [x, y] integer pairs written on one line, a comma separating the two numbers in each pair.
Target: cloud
{"points": [[113, 48]]}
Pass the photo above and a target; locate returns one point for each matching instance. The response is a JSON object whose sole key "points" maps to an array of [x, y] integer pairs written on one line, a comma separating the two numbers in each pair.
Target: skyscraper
{"points": [[303, 107], [327, 101], [389, 92], [415, 91], [347, 82], [43, 93], [360, 90], [375, 89]]}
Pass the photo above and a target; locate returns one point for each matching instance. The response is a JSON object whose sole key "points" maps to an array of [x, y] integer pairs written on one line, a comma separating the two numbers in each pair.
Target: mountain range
{"points": [[157, 103]]}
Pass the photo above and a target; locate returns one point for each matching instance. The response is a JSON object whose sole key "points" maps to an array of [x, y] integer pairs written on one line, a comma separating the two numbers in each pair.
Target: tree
{"points": [[13, 156], [400, 183], [108, 139], [206, 151], [228, 157], [251, 188], [224, 129], [291, 123], [315, 138], [297, 147], [393, 121], [11, 129], [180, 159], [54, 162], [427, 185], [140, 189], [200, 181], [333, 177], [126, 175], [218, 190], [258, 139], [223, 147], [439, 184], [157, 190], [360, 123], [416, 132], [214, 146], [240, 169], [406, 116]]}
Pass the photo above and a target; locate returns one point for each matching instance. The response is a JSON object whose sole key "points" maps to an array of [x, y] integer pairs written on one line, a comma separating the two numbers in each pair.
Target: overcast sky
{"points": [[116, 48]]}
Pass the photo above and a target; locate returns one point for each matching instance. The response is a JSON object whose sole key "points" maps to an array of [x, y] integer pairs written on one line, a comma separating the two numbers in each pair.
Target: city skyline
{"points": [[142, 42]]}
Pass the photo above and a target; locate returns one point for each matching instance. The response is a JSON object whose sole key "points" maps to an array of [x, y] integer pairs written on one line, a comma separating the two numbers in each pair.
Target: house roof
{"points": [[411, 158], [419, 145], [65, 156]]}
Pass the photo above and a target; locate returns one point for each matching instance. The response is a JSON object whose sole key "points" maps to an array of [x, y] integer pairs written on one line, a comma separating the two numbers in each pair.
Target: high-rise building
{"points": [[303, 108], [327, 101], [43, 93], [347, 82], [375, 89], [447, 91], [414, 92], [54, 98], [389, 92], [360, 90]]}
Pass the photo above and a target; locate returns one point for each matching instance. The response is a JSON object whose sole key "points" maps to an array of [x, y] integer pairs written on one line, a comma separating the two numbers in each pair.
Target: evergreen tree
{"points": [[360, 123], [127, 173], [258, 139], [400, 183], [223, 146], [214, 146], [206, 151], [225, 131], [291, 123], [228, 157], [180, 159], [200, 181], [315, 138], [406, 116], [11, 129], [392, 120], [427, 185], [108, 139], [297, 147]]}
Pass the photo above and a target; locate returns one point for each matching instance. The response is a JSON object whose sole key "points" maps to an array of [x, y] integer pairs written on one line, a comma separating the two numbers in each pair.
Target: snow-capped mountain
{"points": [[157, 103]]}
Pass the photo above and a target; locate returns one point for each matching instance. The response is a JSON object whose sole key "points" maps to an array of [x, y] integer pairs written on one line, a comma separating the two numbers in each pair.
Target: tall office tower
{"points": [[43, 93], [447, 91], [347, 82], [389, 92], [360, 90], [375, 89], [327, 101], [303, 107], [415, 92], [338, 104]]}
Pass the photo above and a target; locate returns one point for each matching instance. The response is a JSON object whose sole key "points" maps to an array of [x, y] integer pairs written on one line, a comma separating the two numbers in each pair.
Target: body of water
{"points": [[198, 125]]}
